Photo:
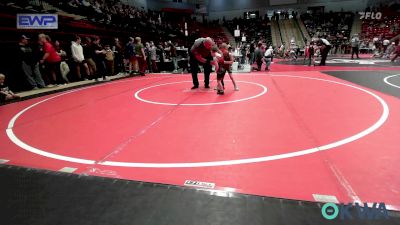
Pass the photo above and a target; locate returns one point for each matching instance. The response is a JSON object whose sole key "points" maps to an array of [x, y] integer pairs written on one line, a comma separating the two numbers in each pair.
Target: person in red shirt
{"points": [[51, 60]]}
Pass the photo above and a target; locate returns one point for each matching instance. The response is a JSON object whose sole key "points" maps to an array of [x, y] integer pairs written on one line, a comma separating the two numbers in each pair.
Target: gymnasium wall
{"points": [[377, 2], [282, 2], [217, 10], [235, 8], [137, 3], [233, 13], [229, 5], [160, 4], [337, 5]]}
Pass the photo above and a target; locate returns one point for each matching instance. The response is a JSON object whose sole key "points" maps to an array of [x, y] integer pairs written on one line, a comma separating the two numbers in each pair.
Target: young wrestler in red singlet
{"points": [[224, 61]]}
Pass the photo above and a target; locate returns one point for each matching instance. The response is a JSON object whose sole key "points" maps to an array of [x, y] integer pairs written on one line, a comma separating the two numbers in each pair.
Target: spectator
{"points": [[396, 53], [258, 55], [51, 59], [385, 43], [109, 60], [355, 42], [282, 49], [267, 57], [252, 49], [99, 59], [78, 57], [148, 59], [293, 50], [243, 52], [173, 55], [153, 57], [64, 68], [130, 55], [391, 49], [5, 93], [376, 41], [29, 65], [161, 52], [337, 44], [294, 14], [118, 58], [140, 55], [89, 54]]}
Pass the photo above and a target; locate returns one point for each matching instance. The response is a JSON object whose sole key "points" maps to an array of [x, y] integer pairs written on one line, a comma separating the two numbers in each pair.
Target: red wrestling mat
{"points": [[291, 135]]}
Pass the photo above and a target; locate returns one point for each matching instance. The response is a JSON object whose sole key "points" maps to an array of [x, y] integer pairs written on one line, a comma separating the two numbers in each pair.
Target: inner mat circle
{"points": [[186, 94]]}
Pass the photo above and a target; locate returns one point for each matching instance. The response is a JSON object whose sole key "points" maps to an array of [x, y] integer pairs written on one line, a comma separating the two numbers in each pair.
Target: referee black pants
{"points": [[194, 67], [324, 54]]}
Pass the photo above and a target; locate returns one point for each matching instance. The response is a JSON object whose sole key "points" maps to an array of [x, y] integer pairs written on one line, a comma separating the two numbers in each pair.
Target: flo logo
{"points": [[377, 211], [370, 15]]}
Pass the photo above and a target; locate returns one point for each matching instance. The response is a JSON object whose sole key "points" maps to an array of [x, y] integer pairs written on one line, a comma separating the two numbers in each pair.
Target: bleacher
{"points": [[388, 27], [290, 32], [213, 30], [328, 24], [254, 29]]}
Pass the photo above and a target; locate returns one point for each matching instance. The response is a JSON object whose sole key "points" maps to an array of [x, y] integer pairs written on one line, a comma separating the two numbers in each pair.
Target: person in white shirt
{"points": [[268, 57], [78, 57], [385, 43], [292, 52]]}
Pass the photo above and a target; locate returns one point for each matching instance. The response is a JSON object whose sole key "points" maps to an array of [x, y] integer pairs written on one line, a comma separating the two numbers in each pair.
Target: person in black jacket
{"points": [[29, 64], [258, 56], [130, 55], [88, 52]]}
